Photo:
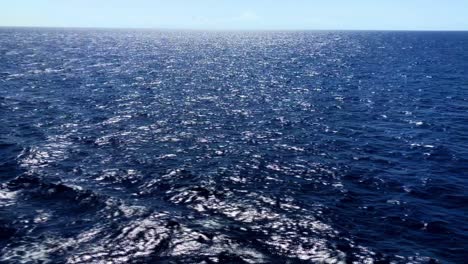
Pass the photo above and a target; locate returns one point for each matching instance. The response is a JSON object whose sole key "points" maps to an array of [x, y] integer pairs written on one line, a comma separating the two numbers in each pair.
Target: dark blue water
{"points": [[239, 147]]}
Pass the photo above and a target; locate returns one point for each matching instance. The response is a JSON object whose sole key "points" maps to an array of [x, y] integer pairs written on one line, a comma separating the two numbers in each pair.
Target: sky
{"points": [[239, 14]]}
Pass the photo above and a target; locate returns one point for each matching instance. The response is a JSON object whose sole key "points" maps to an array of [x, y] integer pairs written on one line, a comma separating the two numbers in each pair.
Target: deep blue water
{"points": [[233, 147]]}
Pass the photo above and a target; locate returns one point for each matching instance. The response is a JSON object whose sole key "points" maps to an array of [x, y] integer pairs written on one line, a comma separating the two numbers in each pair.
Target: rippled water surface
{"points": [[233, 147]]}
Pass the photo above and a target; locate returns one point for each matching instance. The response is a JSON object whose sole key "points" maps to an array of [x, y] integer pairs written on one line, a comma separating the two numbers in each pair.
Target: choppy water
{"points": [[240, 147]]}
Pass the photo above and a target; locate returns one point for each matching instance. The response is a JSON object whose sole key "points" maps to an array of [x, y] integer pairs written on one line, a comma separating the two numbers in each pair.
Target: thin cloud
{"points": [[247, 15]]}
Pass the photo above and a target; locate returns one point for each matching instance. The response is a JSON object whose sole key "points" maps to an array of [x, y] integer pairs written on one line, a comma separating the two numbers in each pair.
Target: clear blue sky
{"points": [[239, 14]]}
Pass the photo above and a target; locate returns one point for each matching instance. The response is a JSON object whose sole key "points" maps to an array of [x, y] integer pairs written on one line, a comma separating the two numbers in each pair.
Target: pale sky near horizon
{"points": [[239, 14]]}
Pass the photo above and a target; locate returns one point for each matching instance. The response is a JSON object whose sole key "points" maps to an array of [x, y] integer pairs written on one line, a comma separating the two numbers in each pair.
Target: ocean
{"points": [[147, 146]]}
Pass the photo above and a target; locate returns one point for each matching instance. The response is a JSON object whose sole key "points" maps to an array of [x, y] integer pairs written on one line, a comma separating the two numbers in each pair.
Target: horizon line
{"points": [[228, 29]]}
